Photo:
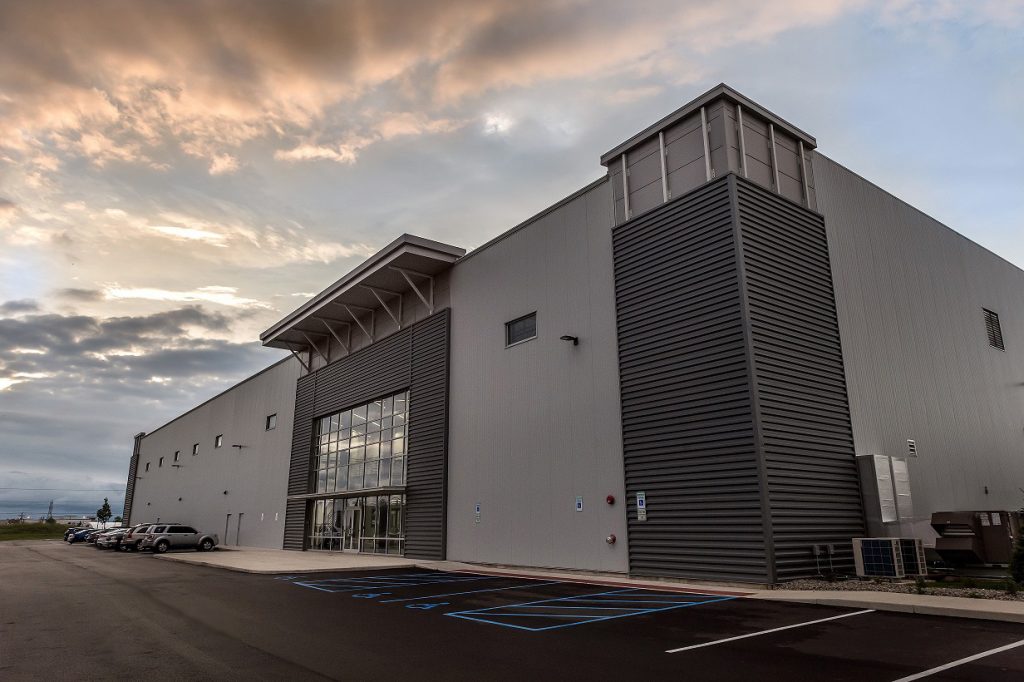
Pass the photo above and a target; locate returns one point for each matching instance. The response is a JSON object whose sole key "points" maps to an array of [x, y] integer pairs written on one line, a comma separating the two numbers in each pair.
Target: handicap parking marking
{"points": [[551, 614]]}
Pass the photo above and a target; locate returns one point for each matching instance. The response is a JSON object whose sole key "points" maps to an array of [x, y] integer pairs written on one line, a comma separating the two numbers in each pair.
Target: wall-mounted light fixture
{"points": [[236, 445], [575, 339]]}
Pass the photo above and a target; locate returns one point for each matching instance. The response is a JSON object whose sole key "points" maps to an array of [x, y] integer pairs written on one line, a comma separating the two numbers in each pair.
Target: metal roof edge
{"points": [[719, 91], [227, 390], [352, 275], [537, 216]]}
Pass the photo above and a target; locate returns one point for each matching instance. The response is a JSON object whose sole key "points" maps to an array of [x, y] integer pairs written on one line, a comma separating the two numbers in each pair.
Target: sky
{"points": [[177, 176]]}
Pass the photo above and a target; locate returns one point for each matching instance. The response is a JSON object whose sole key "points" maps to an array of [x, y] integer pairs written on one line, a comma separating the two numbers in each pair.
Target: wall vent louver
{"points": [[995, 332], [912, 447]]}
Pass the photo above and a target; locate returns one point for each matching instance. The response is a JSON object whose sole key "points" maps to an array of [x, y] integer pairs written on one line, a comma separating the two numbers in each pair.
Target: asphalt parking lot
{"points": [[72, 612]]}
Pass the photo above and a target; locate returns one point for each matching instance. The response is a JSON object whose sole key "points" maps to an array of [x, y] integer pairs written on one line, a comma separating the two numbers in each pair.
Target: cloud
{"points": [[80, 295], [87, 386], [15, 307], [225, 296]]}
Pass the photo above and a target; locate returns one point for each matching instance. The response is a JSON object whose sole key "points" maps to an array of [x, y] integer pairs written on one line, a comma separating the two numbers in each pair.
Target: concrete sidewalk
{"points": [[927, 604], [271, 561], [275, 561]]}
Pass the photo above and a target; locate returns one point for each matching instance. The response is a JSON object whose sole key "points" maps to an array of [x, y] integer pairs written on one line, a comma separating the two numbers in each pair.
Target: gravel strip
{"points": [[902, 587]]}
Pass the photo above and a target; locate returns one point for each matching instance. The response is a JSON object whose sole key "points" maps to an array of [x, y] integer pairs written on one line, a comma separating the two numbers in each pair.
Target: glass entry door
{"points": [[351, 523]]}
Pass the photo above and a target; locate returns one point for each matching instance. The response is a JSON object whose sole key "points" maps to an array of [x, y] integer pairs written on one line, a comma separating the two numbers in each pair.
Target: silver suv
{"points": [[132, 540], [164, 537]]}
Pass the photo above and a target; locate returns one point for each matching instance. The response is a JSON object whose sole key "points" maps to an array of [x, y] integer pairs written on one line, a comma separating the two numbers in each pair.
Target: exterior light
{"points": [[575, 339], [610, 539], [610, 499]]}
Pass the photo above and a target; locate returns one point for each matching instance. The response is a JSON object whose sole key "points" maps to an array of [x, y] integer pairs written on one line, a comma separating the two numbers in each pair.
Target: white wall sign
{"points": [[579, 503], [641, 506]]}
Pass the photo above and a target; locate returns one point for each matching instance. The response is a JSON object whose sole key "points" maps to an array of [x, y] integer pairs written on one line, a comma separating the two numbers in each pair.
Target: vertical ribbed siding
{"points": [[415, 358], [426, 501], [801, 402], [299, 470], [687, 416], [133, 471]]}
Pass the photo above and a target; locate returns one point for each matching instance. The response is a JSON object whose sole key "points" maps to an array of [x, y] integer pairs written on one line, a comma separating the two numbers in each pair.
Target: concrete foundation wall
{"points": [[255, 476]]}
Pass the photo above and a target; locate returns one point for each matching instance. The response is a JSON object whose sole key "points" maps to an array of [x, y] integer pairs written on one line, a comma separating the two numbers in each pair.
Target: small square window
{"points": [[994, 330], [271, 422], [218, 441], [521, 329], [160, 462], [147, 466], [195, 448]]}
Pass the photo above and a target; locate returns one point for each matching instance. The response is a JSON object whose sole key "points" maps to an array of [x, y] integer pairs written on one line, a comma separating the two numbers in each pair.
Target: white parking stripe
{"points": [[767, 632], [954, 664]]}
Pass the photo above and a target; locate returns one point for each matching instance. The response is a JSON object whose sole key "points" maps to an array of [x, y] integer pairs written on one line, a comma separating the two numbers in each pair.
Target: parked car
{"points": [[111, 539], [70, 531], [80, 535], [162, 538], [134, 536]]}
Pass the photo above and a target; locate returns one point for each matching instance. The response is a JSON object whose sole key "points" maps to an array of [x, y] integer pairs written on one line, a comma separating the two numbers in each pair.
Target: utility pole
{"points": [[49, 512]]}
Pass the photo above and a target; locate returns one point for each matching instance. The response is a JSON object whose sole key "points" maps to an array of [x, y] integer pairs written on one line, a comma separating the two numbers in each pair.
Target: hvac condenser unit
{"points": [[889, 557]]}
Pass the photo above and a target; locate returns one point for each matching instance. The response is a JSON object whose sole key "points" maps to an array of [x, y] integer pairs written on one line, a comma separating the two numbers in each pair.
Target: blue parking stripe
{"points": [[569, 607], [493, 589]]}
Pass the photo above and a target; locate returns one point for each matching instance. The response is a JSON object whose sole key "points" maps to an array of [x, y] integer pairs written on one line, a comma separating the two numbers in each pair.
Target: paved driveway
{"points": [[72, 612]]}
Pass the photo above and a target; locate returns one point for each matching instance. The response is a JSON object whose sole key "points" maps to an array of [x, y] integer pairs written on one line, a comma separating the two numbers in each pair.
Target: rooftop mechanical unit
{"points": [[975, 537], [889, 557]]}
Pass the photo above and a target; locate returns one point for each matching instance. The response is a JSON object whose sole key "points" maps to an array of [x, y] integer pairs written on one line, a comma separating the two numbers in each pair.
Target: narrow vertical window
{"points": [[521, 329], [271, 422], [995, 332], [160, 462], [195, 448], [177, 455], [147, 466], [218, 441]]}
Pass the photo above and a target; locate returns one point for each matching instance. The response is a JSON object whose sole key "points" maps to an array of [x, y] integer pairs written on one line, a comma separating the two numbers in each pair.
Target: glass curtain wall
{"points": [[365, 524], [361, 449]]}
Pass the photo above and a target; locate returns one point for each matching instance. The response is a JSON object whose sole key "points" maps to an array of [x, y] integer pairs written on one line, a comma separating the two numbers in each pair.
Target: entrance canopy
{"points": [[408, 264]]}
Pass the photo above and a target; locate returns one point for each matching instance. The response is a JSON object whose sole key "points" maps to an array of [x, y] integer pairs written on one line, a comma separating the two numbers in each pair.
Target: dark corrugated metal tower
{"points": [[735, 418]]}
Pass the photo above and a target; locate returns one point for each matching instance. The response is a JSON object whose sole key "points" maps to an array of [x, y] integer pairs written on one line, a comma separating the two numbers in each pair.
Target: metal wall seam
{"points": [[748, 340]]}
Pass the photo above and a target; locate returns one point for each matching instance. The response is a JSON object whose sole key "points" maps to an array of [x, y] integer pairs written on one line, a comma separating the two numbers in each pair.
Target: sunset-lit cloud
{"points": [[226, 296]]}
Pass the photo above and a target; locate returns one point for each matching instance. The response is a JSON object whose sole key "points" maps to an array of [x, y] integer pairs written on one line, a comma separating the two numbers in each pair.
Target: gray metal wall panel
{"points": [[255, 476], [535, 425], [910, 293], [415, 358], [687, 417], [802, 409]]}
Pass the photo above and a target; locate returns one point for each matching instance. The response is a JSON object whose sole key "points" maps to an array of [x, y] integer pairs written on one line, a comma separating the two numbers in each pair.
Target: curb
{"points": [[971, 611]]}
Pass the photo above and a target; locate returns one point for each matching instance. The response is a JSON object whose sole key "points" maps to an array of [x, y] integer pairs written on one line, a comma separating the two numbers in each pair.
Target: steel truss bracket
{"points": [[299, 358], [312, 344], [355, 318], [428, 300], [379, 294], [345, 345]]}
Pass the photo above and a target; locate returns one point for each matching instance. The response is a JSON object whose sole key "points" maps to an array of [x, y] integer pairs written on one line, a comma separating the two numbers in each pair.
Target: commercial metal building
{"points": [[724, 358]]}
